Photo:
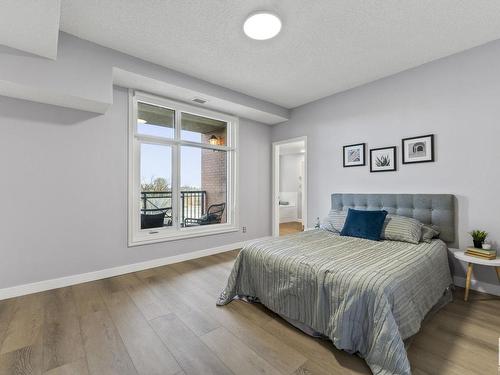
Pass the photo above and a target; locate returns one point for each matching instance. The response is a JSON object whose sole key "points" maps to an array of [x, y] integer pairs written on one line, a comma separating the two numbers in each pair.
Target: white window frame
{"points": [[138, 236]]}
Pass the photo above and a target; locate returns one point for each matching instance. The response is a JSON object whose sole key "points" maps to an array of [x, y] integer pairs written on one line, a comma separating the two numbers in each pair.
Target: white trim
{"points": [[276, 184], [136, 236], [40, 286], [151, 139], [184, 233], [478, 286]]}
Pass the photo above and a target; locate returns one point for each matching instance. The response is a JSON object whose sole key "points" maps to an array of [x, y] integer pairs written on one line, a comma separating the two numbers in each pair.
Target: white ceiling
{"points": [[30, 25], [326, 46]]}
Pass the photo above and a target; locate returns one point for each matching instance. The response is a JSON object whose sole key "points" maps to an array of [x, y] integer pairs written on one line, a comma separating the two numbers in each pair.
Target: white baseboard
{"points": [[478, 286], [40, 286]]}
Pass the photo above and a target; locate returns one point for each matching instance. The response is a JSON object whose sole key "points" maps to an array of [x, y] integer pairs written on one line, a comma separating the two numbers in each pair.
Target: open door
{"points": [[289, 186]]}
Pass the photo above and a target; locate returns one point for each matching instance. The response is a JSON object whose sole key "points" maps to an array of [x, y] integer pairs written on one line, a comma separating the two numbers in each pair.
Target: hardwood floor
{"points": [[164, 321], [291, 227]]}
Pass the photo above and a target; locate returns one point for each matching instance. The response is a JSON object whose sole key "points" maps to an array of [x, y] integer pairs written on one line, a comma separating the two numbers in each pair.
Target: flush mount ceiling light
{"points": [[262, 25]]}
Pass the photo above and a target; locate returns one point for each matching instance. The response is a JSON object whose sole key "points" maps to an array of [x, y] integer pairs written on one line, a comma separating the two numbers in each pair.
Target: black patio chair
{"points": [[213, 216], [154, 220]]}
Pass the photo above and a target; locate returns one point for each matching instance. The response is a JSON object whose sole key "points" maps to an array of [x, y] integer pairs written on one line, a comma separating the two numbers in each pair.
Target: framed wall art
{"points": [[354, 155], [383, 159], [418, 149]]}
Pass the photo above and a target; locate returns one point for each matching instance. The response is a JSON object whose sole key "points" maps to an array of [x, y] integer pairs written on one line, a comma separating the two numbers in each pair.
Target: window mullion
{"points": [[176, 159], [169, 142]]}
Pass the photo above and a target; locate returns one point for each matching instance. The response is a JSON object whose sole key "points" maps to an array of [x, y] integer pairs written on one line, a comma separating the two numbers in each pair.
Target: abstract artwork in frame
{"points": [[383, 159], [418, 149], [354, 155]]}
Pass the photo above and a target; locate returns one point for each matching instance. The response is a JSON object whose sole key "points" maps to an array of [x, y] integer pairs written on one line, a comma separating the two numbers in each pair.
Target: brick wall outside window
{"points": [[214, 174]]}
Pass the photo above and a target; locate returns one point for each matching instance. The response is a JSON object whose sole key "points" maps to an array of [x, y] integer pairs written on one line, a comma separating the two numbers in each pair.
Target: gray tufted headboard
{"points": [[437, 209]]}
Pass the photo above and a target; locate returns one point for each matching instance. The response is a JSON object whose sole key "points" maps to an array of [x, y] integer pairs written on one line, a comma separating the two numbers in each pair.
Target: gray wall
{"points": [[290, 165], [456, 98], [64, 189], [290, 171]]}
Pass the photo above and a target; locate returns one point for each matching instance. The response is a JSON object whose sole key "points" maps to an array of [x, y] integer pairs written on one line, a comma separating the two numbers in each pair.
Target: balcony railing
{"points": [[193, 204]]}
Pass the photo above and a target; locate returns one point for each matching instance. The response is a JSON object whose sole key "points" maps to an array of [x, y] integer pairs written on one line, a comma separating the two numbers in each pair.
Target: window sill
{"points": [[165, 236]]}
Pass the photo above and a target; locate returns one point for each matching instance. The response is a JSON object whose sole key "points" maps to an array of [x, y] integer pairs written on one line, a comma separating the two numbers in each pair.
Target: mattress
{"points": [[366, 296]]}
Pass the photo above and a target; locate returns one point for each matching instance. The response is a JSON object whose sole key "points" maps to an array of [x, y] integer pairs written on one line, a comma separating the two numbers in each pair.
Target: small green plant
{"points": [[383, 161], [478, 235]]}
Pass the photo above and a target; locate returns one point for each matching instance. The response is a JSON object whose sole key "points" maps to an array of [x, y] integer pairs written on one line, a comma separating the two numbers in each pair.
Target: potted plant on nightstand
{"points": [[478, 237]]}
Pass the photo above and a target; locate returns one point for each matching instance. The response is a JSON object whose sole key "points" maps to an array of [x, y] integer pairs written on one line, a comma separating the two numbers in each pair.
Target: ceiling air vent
{"points": [[199, 100]]}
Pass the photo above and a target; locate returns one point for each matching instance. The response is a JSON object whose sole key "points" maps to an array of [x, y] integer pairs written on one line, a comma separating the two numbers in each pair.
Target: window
{"points": [[182, 171]]}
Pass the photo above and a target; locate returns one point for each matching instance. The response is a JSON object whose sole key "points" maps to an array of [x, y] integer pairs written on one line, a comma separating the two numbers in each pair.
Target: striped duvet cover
{"points": [[366, 296]]}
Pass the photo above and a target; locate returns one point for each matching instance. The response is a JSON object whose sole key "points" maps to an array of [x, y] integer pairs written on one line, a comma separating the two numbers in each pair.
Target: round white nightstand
{"points": [[460, 255]]}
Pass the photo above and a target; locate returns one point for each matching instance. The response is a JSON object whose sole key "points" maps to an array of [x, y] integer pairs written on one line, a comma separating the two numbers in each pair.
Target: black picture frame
{"points": [[363, 145], [403, 149], [394, 156]]}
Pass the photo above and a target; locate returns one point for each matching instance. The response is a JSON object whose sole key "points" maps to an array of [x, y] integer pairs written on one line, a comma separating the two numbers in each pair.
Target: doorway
{"points": [[289, 186]]}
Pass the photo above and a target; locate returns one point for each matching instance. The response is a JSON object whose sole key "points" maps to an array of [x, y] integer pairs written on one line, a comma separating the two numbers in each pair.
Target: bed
{"points": [[366, 296]]}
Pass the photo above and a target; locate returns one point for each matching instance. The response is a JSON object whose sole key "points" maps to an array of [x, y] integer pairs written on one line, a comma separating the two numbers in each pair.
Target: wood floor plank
{"points": [[23, 361], [254, 312], [418, 371], [148, 353], [274, 351], [442, 343], [236, 355], [147, 273], [191, 353], [114, 284], [321, 352], [150, 305], [311, 368], [88, 298], [190, 315], [105, 351], [431, 363], [465, 327], [6, 313], [228, 257], [25, 326], [212, 266], [470, 336], [481, 311], [74, 368], [62, 341], [199, 277], [177, 280], [290, 227]]}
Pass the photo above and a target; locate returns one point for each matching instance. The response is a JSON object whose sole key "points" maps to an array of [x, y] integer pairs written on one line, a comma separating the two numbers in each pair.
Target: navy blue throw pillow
{"points": [[364, 224]]}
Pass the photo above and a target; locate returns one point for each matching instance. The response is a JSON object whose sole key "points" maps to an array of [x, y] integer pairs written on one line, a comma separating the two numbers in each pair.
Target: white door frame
{"points": [[276, 184]]}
